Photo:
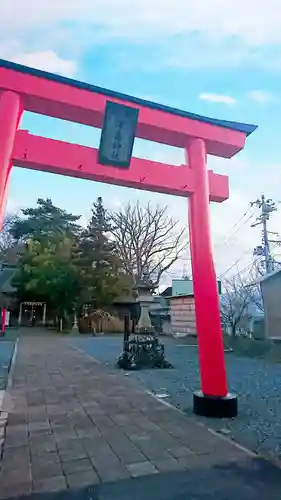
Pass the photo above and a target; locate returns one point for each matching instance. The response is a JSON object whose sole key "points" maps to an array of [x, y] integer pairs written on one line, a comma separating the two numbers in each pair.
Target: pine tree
{"points": [[100, 266], [47, 272], [44, 222]]}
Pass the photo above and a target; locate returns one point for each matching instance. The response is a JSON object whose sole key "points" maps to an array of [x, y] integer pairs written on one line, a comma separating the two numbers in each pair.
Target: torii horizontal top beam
{"points": [[60, 97], [49, 155]]}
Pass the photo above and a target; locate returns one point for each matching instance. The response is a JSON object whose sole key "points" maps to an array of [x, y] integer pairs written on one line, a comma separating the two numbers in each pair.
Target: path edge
{"points": [[4, 414]]}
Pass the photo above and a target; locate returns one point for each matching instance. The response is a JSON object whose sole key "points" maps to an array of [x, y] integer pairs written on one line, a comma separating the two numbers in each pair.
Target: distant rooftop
{"points": [[6, 277], [268, 276], [240, 127]]}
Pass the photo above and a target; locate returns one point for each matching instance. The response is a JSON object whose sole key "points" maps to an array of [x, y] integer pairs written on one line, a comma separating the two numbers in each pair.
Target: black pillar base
{"points": [[211, 406]]}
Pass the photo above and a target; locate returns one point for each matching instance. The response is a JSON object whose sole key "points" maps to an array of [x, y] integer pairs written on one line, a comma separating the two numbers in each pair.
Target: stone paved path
{"points": [[6, 352], [75, 424]]}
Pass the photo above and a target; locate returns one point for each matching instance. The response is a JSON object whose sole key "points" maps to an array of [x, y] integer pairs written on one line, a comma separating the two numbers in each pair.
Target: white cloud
{"points": [[174, 17], [47, 61], [260, 96], [218, 98], [193, 32], [13, 206]]}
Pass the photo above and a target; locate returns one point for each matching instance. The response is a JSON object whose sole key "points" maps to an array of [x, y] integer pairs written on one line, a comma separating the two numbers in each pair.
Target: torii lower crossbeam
{"points": [[58, 157]]}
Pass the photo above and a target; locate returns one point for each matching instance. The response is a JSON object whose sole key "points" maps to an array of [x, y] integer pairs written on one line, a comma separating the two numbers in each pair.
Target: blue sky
{"points": [[216, 59]]}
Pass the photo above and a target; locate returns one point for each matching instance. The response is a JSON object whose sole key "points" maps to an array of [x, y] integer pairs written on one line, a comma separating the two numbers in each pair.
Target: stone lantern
{"points": [[142, 348], [144, 299]]}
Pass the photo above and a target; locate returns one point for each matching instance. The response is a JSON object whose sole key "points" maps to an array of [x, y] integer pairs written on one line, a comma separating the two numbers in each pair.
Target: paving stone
{"points": [[129, 455], [15, 463], [16, 418], [141, 469], [2, 431], [90, 432], [96, 446], [65, 435], [167, 464], [42, 470], [72, 451], [69, 443], [136, 436], [109, 468], [10, 475], [45, 447], [194, 462], [40, 427], [57, 424], [16, 439], [146, 424], [125, 449], [153, 451], [10, 455], [103, 423], [46, 457], [84, 464], [80, 479], [82, 420], [121, 420], [17, 429], [41, 432], [37, 414], [180, 451], [15, 489], [49, 484], [3, 416]]}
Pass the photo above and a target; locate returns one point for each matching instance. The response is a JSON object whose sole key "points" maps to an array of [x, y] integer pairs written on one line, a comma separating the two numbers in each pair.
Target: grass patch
{"points": [[188, 340], [243, 347], [263, 349]]}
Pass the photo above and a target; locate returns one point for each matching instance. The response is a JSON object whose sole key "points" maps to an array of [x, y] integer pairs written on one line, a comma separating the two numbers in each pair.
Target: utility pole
{"points": [[267, 206]]}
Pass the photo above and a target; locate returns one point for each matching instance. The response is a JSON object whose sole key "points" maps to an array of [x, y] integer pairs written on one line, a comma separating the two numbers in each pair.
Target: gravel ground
{"points": [[257, 383], [6, 353]]}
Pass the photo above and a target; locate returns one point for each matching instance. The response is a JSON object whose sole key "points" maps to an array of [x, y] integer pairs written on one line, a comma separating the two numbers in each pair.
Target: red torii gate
{"points": [[24, 88]]}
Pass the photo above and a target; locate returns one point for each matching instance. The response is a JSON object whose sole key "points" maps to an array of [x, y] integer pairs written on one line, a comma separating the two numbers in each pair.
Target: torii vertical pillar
{"points": [[213, 400], [3, 321], [10, 114]]}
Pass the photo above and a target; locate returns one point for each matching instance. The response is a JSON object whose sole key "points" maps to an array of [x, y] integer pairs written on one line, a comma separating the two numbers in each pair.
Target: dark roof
{"points": [[6, 276], [181, 296], [167, 292], [268, 276], [129, 299], [240, 127]]}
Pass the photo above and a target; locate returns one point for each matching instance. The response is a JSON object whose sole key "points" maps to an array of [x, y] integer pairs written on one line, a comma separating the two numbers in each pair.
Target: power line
{"points": [[238, 229], [263, 251], [236, 262], [267, 206], [252, 264], [230, 235]]}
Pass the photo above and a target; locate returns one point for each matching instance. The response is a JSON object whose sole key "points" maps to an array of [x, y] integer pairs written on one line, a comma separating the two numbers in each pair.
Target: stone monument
{"points": [[142, 348]]}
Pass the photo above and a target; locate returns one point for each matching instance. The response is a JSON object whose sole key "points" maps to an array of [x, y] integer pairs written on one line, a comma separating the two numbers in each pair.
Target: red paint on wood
{"points": [[83, 106], [207, 308], [10, 114], [59, 99], [48, 155]]}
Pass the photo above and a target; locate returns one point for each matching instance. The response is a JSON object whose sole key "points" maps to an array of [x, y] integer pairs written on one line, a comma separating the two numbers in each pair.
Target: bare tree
{"points": [[235, 301], [148, 240], [254, 289], [6, 239]]}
